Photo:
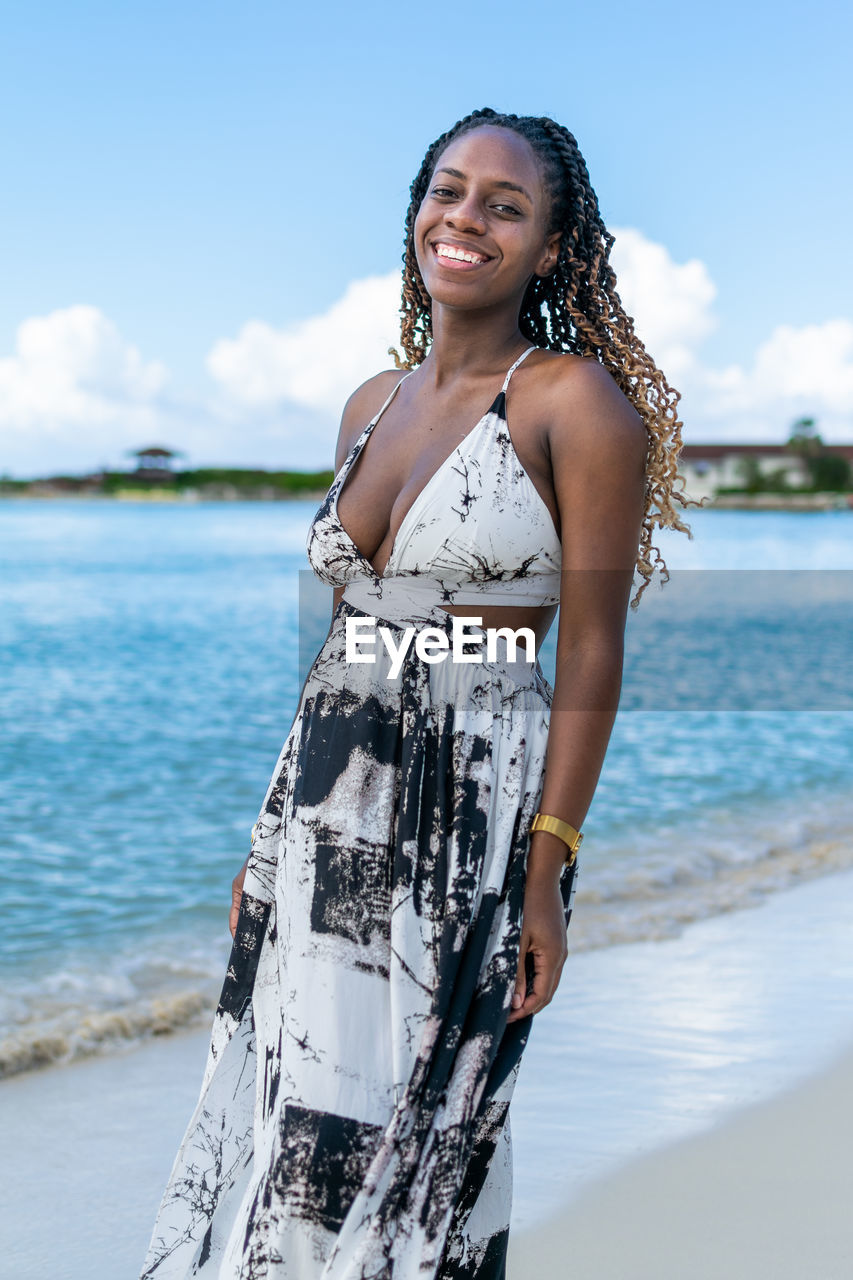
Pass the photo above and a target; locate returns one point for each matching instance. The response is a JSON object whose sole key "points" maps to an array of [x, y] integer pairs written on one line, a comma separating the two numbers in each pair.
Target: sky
{"points": [[202, 208]]}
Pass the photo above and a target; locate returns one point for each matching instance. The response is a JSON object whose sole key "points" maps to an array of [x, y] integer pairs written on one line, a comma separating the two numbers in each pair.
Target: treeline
{"points": [[828, 473], [245, 481], [824, 470], [290, 482]]}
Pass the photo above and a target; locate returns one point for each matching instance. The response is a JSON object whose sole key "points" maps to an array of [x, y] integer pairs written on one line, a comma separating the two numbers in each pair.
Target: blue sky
{"points": [[176, 172]]}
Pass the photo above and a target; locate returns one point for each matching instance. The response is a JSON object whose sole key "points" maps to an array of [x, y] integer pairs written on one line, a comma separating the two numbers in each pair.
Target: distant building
{"points": [[154, 462], [709, 467]]}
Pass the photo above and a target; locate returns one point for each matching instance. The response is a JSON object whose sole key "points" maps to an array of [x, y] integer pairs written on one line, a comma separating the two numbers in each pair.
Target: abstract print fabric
{"points": [[353, 1117]]}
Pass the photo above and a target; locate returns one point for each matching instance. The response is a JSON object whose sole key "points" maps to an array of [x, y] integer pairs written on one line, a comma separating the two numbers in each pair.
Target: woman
{"points": [[397, 924]]}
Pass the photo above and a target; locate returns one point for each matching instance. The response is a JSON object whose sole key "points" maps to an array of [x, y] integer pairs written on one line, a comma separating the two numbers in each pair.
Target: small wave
{"points": [[652, 903], [647, 889], [73, 1035]]}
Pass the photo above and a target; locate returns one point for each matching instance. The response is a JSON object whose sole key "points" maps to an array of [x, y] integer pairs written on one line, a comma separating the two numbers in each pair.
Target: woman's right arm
{"points": [[364, 402], [237, 882]]}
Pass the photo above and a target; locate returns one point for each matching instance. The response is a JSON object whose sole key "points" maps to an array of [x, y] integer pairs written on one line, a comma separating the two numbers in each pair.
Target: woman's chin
{"points": [[463, 295]]}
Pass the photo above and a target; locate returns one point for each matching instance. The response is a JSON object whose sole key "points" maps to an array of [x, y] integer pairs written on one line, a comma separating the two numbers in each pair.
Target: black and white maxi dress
{"points": [[353, 1116]]}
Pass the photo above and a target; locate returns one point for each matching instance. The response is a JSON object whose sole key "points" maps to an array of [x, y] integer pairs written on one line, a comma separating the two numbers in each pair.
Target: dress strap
{"points": [[374, 421], [513, 367]]}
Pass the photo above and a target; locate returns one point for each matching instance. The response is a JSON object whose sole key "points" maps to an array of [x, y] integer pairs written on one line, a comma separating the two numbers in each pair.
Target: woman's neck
{"points": [[465, 343]]}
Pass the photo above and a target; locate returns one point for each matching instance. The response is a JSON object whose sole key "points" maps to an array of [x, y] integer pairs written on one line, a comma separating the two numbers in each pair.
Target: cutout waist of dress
{"points": [[405, 597]]}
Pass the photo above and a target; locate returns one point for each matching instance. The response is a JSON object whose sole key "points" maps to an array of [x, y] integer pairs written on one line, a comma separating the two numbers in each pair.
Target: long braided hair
{"points": [[576, 309]]}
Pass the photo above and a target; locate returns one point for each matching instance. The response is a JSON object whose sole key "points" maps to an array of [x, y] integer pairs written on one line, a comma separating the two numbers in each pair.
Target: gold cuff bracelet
{"points": [[557, 827]]}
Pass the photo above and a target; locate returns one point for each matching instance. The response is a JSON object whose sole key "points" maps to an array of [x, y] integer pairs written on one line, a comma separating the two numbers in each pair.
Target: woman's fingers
{"points": [[544, 948], [234, 914], [542, 983], [520, 991], [236, 897], [547, 967]]}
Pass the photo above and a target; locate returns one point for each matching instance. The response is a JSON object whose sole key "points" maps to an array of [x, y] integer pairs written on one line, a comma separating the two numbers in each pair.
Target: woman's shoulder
{"points": [[578, 392], [563, 371], [365, 402], [374, 389]]}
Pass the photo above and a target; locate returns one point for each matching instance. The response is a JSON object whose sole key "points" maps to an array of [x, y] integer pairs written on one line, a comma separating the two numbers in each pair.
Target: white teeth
{"points": [[450, 251]]}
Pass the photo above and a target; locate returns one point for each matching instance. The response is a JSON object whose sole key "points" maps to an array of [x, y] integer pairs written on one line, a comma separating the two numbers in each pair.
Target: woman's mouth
{"points": [[457, 258]]}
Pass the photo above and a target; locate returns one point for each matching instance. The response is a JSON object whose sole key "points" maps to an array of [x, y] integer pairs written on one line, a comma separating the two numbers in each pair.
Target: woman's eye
{"points": [[444, 192]]}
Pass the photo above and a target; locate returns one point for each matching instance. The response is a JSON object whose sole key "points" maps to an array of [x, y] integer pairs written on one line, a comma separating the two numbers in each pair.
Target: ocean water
{"points": [[151, 660]]}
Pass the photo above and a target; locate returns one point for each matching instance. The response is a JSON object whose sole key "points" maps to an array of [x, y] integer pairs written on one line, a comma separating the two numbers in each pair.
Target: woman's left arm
{"points": [[598, 444]]}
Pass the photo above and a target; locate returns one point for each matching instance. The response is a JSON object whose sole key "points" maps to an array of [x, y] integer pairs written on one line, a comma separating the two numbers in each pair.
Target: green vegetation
{"points": [[830, 471], [814, 468], [244, 480], [827, 472], [757, 481], [207, 482], [289, 481]]}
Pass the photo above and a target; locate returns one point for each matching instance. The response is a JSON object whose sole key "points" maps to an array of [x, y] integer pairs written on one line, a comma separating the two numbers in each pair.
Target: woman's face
{"points": [[481, 231]]}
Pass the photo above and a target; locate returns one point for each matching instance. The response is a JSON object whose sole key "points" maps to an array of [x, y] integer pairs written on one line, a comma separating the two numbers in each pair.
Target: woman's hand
{"points": [[236, 896], [543, 937]]}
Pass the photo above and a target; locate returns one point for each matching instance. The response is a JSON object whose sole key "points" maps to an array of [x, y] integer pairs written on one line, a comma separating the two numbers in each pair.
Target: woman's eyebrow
{"points": [[506, 186]]}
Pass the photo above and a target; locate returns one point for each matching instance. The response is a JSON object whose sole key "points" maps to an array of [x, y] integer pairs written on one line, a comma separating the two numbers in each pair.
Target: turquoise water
{"points": [[150, 673]]}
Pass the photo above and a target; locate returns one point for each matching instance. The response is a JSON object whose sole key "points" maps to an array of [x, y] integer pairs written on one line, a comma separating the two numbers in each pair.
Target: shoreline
{"points": [[648, 1050], [805, 502], [189, 497], [603, 921]]}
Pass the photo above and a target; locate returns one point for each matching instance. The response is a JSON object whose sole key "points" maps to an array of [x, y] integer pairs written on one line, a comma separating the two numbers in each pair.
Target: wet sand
{"points": [[766, 1193], [645, 1144]]}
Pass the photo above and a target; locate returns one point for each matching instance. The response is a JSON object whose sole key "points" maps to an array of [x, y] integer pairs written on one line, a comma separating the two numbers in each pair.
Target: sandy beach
{"points": [[93, 1144], [686, 1114], [764, 1193], [767, 1193]]}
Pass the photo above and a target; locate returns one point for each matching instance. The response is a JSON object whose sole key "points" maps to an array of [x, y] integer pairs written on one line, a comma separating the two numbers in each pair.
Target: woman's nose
{"points": [[467, 216]]}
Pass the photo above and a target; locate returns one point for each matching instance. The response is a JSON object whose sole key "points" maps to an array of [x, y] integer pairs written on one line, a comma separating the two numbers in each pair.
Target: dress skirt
{"points": [[353, 1116]]}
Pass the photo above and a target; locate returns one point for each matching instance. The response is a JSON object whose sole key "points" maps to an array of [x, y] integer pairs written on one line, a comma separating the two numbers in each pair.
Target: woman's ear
{"points": [[551, 252]]}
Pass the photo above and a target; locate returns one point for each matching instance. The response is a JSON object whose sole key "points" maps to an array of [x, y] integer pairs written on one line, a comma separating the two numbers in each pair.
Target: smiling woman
{"points": [[403, 911]]}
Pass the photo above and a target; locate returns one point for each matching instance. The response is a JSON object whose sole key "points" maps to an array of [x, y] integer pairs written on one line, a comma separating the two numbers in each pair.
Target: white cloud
{"points": [[74, 387], [795, 372], [73, 367], [75, 393], [670, 302], [318, 362]]}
